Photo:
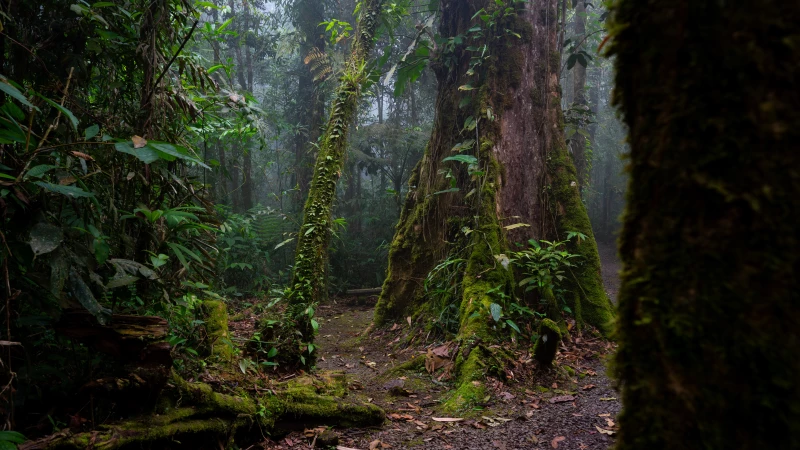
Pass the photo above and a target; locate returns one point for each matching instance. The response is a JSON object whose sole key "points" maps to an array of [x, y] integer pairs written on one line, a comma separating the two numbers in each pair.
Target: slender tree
{"points": [[309, 283], [508, 117], [708, 355]]}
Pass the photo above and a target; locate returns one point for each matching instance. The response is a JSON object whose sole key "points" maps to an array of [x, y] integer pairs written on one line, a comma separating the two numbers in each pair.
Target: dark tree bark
{"points": [[529, 178], [709, 315]]}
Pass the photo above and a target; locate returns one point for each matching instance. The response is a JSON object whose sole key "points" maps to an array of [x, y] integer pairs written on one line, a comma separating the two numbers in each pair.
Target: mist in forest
{"points": [[373, 224]]}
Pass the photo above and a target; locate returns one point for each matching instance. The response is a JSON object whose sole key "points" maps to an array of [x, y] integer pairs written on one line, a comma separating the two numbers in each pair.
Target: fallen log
{"points": [[193, 416], [360, 292]]}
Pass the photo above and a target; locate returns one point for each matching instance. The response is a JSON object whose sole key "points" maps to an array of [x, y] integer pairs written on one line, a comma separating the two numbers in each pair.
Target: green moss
{"points": [[546, 345], [215, 314], [570, 371], [471, 389], [594, 306]]}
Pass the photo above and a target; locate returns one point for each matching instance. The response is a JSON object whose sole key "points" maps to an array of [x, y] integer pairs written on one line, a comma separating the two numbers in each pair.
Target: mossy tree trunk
{"points": [[309, 284], [709, 314], [528, 176]]}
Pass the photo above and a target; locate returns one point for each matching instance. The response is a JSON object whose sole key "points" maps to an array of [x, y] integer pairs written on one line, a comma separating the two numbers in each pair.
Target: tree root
{"points": [[193, 416]]}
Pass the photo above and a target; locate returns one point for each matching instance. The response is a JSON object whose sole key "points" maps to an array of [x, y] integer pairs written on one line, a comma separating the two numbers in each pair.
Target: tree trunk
{"points": [[578, 142], [527, 178], [708, 354], [309, 284]]}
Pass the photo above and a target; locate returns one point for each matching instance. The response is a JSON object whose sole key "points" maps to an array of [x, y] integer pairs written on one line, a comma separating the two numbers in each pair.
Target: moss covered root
{"points": [[195, 416], [546, 346], [215, 314]]}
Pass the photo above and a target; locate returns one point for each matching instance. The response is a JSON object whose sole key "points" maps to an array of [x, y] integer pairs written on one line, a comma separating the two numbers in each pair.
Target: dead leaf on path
{"points": [[339, 447], [408, 319], [394, 327], [138, 141], [608, 399], [479, 425], [562, 399], [507, 396], [608, 432], [604, 415], [395, 416], [610, 423], [555, 441], [447, 419], [589, 386]]}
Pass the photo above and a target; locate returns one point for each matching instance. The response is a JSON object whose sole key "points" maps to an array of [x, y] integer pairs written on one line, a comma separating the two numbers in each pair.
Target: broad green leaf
{"points": [[12, 436], [146, 155], [124, 280], [84, 295], [38, 171], [45, 238], [15, 93], [91, 131], [175, 151], [497, 311], [69, 191], [101, 251], [466, 159], [513, 325], [72, 119], [224, 25]]}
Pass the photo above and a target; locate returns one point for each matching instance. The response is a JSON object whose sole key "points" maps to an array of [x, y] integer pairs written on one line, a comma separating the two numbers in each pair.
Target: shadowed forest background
{"points": [[199, 198]]}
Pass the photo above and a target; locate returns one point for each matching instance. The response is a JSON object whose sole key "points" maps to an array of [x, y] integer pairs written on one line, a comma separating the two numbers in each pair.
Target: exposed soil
{"points": [[571, 407]]}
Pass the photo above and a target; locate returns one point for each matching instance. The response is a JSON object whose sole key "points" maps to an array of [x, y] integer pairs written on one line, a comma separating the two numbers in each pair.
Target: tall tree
{"points": [[710, 293], [504, 113], [309, 281], [578, 142]]}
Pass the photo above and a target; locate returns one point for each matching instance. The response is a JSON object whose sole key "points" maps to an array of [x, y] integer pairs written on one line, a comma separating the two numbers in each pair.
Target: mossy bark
{"points": [[215, 315], [527, 177], [193, 416], [547, 345], [309, 283], [708, 355]]}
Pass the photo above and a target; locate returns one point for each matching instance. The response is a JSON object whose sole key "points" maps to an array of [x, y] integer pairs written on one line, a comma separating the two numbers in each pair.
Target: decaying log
{"points": [[193, 416]]}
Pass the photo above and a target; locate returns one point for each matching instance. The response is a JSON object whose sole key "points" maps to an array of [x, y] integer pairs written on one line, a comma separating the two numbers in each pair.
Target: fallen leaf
{"points": [[607, 399], [589, 386], [408, 319], [556, 440], [138, 141], [562, 399], [610, 423], [604, 415], [608, 432], [447, 419], [82, 156]]}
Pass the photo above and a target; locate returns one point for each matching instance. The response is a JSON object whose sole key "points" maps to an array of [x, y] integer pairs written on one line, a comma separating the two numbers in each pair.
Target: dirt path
{"points": [[610, 267], [574, 407]]}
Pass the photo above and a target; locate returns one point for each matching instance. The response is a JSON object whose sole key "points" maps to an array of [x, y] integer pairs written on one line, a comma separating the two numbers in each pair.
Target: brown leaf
{"points": [[374, 444], [602, 431], [555, 441], [408, 319], [82, 156], [66, 181], [562, 399], [138, 141], [589, 386], [447, 419]]}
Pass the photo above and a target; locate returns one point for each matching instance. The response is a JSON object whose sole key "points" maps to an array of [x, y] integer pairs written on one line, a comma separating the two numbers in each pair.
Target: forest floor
{"points": [[572, 407]]}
